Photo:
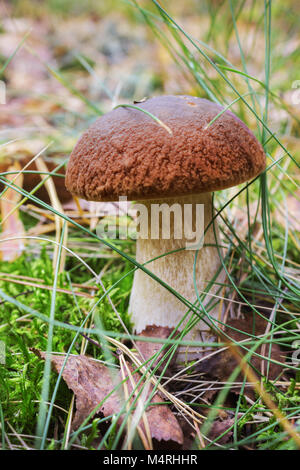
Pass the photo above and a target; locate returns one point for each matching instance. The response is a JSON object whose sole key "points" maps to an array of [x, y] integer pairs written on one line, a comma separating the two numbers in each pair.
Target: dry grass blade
{"points": [[169, 396], [139, 412], [127, 403], [18, 436], [43, 286], [55, 202], [260, 389]]}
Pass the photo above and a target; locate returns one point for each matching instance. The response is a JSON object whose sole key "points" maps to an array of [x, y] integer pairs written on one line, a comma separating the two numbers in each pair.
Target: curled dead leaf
{"points": [[92, 383]]}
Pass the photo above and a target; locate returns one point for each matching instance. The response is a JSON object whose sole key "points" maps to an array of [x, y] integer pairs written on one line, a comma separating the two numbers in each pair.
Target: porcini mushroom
{"points": [[128, 153]]}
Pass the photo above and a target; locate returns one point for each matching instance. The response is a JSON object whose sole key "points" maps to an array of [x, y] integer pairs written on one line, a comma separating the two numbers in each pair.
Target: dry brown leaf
{"points": [[293, 208], [11, 224], [33, 179], [219, 427], [220, 366], [148, 349], [91, 383]]}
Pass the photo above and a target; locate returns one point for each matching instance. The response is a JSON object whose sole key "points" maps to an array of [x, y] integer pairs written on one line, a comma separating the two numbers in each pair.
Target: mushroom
{"points": [[179, 158]]}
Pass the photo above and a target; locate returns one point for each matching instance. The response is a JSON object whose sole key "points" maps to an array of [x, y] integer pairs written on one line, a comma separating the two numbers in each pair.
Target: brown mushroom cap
{"points": [[127, 153]]}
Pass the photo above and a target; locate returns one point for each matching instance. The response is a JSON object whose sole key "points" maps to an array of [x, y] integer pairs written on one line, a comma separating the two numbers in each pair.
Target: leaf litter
{"points": [[93, 382]]}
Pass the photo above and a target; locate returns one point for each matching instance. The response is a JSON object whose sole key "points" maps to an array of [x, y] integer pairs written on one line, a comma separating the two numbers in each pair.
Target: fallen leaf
{"points": [[148, 349], [221, 365], [292, 215], [219, 427], [11, 223], [31, 180], [92, 382]]}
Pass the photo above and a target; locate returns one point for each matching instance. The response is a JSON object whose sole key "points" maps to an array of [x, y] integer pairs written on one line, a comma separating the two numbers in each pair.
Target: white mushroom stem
{"points": [[153, 304]]}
